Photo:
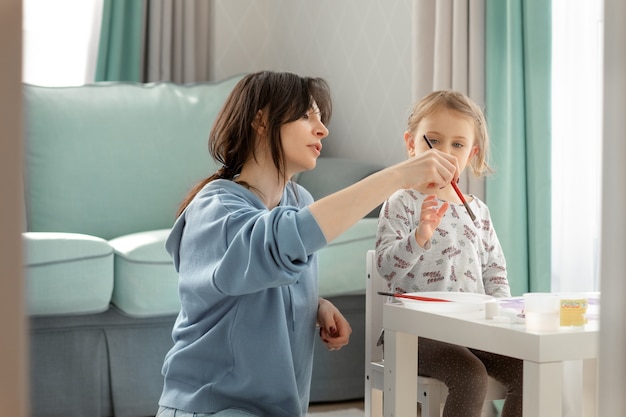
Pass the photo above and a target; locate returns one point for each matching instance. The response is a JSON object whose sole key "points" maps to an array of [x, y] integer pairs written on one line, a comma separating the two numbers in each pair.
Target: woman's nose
{"points": [[321, 130]]}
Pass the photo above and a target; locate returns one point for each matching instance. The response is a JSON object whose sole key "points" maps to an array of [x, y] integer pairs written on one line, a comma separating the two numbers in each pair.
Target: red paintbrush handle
{"points": [[456, 188], [460, 194], [413, 297]]}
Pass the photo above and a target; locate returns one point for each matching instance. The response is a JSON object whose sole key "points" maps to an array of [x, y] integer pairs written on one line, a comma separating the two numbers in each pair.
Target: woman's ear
{"points": [[409, 141], [260, 123]]}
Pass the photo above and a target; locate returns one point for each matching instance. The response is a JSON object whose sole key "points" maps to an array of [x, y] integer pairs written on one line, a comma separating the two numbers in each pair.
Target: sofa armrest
{"points": [[67, 273]]}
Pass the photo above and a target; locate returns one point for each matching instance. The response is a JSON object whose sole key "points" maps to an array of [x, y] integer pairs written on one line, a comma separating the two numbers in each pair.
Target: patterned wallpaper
{"points": [[361, 47]]}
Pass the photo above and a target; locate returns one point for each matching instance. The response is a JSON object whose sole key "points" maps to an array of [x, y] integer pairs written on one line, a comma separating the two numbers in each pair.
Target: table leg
{"points": [[590, 386], [543, 389], [400, 394]]}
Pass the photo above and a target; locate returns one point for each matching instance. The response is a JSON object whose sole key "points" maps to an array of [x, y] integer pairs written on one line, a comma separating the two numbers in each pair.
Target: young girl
{"points": [[244, 245], [428, 241]]}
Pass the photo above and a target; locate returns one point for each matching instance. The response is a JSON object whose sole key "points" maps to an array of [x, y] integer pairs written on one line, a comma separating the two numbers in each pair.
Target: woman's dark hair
{"points": [[283, 97]]}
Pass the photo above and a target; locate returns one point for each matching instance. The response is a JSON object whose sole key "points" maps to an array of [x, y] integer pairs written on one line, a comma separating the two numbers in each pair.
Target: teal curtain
{"points": [[517, 107], [120, 50]]}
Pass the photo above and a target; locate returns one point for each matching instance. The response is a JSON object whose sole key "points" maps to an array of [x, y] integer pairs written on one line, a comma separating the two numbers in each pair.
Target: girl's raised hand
{"points": [[430, 217]]}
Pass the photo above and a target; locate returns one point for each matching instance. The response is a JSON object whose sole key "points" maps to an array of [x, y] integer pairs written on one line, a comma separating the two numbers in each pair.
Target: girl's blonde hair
{"points": [[459, 102]]}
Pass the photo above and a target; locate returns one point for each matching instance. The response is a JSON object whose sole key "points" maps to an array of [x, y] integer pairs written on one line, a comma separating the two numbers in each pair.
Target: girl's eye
{"points": [[458, 145]]}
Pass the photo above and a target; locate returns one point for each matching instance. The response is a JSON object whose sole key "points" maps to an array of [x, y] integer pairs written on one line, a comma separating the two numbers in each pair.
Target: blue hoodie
{"points": [[249, 294]]}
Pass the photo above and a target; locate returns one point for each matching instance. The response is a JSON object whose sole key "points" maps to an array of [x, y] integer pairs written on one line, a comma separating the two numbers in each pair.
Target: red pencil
{"points": [[456, 189]]}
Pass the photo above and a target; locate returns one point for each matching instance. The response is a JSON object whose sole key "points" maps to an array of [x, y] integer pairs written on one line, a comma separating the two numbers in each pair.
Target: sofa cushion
{"points": [[109, 159], [67, 273], [342, 262], [146, 283]]}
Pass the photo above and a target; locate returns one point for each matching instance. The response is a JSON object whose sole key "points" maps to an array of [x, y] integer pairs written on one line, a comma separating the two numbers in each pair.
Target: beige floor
{"points": [[336, 406], [488, 410]]}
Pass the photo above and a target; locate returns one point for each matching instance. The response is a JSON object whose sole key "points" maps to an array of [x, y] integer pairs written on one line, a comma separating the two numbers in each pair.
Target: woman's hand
{"points": [[431, 169], [336, 212], [430, 217], [334, 328]]}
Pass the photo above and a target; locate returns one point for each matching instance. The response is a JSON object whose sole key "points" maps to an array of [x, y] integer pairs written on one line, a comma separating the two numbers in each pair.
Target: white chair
{"points": [[431, 393]]}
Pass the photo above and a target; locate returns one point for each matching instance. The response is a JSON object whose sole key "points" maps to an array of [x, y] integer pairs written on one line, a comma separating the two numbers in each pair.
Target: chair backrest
{"points": [[374, 309], [431, 392]]}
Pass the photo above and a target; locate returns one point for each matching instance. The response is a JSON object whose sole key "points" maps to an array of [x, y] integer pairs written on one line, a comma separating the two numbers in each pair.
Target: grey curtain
{"points": [[177, 41], [449, 53]]}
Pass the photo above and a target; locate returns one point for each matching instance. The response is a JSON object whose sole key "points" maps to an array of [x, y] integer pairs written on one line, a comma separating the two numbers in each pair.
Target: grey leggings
{"points": [[465, 373]]}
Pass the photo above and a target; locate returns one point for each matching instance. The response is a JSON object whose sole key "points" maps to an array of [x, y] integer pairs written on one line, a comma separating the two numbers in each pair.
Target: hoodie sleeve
{"points": [[241, 246], [269, 250]]}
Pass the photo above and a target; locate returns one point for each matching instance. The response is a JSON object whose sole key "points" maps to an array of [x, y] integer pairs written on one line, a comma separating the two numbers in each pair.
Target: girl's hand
{"points": [[430, 217], [334, 328]]}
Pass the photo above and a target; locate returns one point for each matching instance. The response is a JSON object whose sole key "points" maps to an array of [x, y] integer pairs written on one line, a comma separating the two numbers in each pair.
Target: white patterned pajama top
{"points": [[464, 256]]}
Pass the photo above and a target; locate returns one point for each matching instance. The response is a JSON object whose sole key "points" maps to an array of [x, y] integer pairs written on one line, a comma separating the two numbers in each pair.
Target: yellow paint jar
{"points": [[573, 311]]}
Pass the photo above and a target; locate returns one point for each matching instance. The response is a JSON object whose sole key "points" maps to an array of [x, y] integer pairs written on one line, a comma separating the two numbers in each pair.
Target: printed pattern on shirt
{"points": [[464, 255]]}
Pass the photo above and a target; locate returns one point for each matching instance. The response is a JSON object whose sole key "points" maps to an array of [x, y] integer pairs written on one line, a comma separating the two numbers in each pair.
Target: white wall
{"points": [[361, 47], [239, 37]]}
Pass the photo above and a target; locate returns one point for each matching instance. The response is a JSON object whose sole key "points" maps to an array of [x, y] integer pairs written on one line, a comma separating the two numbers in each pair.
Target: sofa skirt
{"points": [[104, 364], [340, 375], [109, 364]]}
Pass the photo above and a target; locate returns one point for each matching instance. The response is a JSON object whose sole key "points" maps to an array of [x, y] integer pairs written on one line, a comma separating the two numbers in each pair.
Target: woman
{"points": [[245, 244]]}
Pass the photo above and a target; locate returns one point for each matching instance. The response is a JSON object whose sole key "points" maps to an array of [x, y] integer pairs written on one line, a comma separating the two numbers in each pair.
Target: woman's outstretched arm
{"points": [[337, 212]]}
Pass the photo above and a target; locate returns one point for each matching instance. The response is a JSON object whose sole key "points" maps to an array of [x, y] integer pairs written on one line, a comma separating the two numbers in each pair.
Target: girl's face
{"points": [[302, 141], [449, 131]]}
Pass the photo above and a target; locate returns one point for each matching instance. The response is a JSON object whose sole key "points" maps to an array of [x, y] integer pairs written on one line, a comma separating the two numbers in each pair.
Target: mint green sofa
{"points": [[105, 168]]}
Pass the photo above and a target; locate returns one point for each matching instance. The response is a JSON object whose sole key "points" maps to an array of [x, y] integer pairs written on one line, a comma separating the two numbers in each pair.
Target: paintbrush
{"points": [[412, 297], [456, 189]]}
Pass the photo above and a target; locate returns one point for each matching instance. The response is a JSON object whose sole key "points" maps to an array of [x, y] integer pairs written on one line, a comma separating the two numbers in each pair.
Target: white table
{"points": [[543, 354]]}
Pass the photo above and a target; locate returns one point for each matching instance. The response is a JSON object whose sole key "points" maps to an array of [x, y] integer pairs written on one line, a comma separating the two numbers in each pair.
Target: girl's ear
{"points": [[473, 152], [409, 141]]}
